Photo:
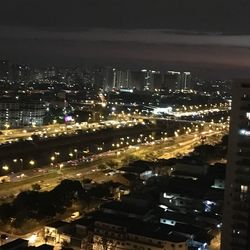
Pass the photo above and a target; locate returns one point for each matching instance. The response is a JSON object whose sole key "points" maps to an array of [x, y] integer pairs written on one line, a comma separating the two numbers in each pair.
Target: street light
{"points": [[76, 153], [60, 167], [5, 168], [21, 160], [32, 162], [7, 125]]}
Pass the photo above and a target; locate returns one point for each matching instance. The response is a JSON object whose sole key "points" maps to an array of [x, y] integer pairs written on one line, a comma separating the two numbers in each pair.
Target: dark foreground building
{"points": [[236, 218]]}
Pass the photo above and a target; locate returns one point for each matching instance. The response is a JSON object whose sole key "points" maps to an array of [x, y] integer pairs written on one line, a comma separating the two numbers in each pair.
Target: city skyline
{"points": [[122, 125]]}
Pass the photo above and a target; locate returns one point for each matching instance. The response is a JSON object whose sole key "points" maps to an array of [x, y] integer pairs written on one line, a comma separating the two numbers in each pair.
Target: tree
{"points": [[6, 212], [86, 181], [102, 166], [36, 187]]}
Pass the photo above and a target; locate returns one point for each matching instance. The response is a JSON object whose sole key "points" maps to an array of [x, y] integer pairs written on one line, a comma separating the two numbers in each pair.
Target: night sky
{"points": [[212, 37]]}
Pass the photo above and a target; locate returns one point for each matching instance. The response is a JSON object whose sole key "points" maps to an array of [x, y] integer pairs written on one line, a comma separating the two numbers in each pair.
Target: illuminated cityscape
{"points": [[111, 136], [124, 125]]}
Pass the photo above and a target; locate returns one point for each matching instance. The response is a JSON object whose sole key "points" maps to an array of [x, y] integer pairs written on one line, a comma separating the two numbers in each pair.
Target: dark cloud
{"points": [[208, 15], [146, 47], [191, 34]]}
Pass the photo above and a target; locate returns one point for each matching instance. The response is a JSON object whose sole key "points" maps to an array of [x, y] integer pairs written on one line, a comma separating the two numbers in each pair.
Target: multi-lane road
{"points": [[49, 177], [12, 135], [54, 130]]}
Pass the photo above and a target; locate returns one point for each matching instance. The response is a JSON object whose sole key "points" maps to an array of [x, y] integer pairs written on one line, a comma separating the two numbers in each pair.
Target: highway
{"points": [[49, 177], [54, 130], [12, 135]]}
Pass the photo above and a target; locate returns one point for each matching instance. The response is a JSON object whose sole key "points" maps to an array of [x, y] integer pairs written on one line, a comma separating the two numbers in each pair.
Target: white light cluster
{"points": [[244, 132], [167, 110]]}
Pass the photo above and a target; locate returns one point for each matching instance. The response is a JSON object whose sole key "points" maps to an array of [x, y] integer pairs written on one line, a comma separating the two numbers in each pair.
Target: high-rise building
{"points": [[171, 80], [148, 79], [122, 79], [177, 81], [108, 78], [137, 79], [236, 216], [4, 69], [98, 75], [158, 80], [185, 82], [19, 73]]}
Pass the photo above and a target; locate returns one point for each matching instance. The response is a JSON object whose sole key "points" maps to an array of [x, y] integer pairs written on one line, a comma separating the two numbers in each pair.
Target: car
{"points": [[21, 176]]}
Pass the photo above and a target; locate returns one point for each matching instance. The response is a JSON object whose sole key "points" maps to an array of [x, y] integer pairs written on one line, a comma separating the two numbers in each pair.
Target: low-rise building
{"points": [[17, 244], [55, 233], [116, 232]]}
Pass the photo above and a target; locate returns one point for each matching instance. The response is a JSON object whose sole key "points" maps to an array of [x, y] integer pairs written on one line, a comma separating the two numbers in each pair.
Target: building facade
{"points": [[14, 113], [111, 235], [236, 217]]}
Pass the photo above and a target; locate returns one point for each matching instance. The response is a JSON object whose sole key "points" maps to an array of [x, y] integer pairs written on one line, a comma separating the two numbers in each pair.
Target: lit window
{"points": [[244, 132], [248, 115], [243, 189]]}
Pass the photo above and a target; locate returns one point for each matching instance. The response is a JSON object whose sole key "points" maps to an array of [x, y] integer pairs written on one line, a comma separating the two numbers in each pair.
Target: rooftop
{"points": [[14, 244], [123, 207], [58, 224], [42, 247]]}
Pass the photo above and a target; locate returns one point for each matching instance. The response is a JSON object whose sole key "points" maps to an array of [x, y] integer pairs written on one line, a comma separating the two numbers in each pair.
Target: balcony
{"points": [[239, 245], [245, 85], [243, 170], [243, 180], [239, 217], [242, 237], [245, 108], [243, 207], [245, 124], [244, 153], [245, 98], [239, 226], [244, 144], [243, 162]]}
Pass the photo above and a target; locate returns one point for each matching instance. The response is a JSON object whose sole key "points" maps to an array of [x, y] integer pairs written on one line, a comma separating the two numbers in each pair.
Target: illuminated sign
{"points": [[68, 118], [158, 111], [127, 90]]}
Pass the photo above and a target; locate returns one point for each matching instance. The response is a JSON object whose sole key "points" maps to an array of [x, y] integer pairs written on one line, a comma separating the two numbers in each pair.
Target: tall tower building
{"points": [[108, 79], [236, 216], [185, 81], [122, 79], [158, 80], [137, 80], [172, 80], [4, 69]]}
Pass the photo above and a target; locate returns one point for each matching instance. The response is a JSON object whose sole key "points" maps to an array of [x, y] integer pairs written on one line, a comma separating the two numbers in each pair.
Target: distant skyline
{"points": [[210, 37]]}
